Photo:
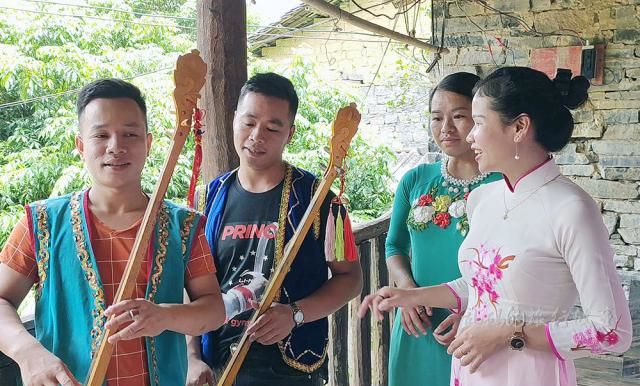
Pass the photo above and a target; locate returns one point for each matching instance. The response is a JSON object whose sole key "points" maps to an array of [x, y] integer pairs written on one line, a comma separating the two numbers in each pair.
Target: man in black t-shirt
{"points": [[251, 213], [245, 250]]}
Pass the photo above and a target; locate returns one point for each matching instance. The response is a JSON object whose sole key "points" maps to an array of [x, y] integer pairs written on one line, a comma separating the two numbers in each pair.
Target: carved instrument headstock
{"points": [[189, 78], [344, 129]]}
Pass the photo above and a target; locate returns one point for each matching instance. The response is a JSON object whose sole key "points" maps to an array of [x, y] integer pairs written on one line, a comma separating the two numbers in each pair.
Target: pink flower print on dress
{"points": [[493, 268], [456, 380], [595, 341], [487, 271], [481, 312], [493, 296]]}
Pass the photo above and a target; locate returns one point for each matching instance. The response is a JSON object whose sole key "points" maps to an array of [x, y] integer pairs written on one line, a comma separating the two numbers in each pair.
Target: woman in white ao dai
{"points": [[532, 262], [537, 245]]}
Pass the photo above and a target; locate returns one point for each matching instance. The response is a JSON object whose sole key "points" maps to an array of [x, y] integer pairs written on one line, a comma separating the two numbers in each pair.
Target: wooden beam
{"points": [[372, 229], [222, 41], [338, 13]]}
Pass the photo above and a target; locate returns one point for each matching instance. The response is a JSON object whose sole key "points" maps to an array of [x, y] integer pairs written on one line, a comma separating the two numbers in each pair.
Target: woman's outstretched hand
{"points": [[387, 298], [445, 338]]}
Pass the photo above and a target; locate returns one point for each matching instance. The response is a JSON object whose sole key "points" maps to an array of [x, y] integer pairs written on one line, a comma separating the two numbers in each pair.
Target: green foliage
{"points": [[8, 219], [49, 55], [41, 55]]}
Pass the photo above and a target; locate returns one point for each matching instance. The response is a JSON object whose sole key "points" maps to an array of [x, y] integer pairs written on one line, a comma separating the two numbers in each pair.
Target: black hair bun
{"points": [[573, 92]]}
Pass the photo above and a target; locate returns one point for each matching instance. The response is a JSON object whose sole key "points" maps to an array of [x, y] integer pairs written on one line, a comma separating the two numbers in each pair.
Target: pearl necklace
{"points": [[454, 184]]}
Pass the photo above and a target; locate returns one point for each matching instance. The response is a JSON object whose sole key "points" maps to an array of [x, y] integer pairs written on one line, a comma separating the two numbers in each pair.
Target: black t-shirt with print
{"points": [[245, 251]]}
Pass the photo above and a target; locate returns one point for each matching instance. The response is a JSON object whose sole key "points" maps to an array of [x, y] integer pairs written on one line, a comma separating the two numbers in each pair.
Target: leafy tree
{"points": [[49, 55], [43, 56]]}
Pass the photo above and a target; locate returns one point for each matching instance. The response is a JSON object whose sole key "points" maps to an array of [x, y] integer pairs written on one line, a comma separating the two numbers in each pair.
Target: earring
{"points": [[517, 156]]}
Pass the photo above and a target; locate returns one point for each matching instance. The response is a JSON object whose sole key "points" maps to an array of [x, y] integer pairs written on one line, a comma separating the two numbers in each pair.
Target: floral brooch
{"points": [[439, 210]]}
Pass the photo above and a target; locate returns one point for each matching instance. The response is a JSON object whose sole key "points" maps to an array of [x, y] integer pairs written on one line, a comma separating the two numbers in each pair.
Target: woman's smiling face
{"points": [[450, 122], [490, 139]]}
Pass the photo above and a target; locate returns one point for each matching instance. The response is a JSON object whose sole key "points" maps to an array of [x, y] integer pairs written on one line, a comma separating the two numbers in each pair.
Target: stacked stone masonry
{"points": [[604, 156]]}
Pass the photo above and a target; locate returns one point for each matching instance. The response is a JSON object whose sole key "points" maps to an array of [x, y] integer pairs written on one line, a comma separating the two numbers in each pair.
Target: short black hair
{"points": [[110, 89], [522, 90], [272, 85], [461, 83]]}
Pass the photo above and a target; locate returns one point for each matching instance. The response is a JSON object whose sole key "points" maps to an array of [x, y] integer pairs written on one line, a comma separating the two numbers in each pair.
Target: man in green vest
{"points": [[74, 250]]}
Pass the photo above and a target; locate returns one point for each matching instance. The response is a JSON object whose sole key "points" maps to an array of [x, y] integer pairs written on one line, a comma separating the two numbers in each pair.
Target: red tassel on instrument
{"points": [[197, 159], [350, 252]]}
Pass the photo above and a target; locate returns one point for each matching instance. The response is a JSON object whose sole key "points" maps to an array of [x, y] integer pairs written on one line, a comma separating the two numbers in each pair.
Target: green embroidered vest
{"points": [[70, 300]]}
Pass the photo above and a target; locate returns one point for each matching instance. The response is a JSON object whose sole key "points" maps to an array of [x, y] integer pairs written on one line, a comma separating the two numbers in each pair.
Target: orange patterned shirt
{"points": [[128, 366]]}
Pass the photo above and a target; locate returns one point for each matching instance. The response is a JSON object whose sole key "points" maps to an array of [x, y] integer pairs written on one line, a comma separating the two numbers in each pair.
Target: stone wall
{"points": [[390, 86], [604, 156]]}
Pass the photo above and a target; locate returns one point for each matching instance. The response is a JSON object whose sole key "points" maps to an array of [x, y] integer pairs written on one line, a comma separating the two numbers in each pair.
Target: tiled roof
{"points": [[299, 17]]}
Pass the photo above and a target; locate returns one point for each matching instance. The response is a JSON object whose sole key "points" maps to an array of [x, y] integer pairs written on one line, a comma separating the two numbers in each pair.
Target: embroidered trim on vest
{"points": [[186, 230], [161, 256], [282, 219], [285, 345], [154, 360], [316, 220], [43, 251], [284, 204], [91, 275], [294, 362]]}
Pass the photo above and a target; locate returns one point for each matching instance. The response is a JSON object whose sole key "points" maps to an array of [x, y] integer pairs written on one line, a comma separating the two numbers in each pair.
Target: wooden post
{"points": [[339, 350], [222, 41], [380, 331], [360, 329], [365, 329], [355, 352]]}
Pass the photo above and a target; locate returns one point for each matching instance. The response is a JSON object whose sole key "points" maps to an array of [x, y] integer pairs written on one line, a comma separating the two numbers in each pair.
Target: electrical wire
{"points": [[407, 21], [367, 10], [484, 33], [374, 6], [292, 30], [278, 36], [290, 34], [438, 55], [331, 61], [165, 16], [416, 16], [153, 15], [526, 26], [98, 18], [338, 31], [379, 64], [275, 35], [73, 91]]}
